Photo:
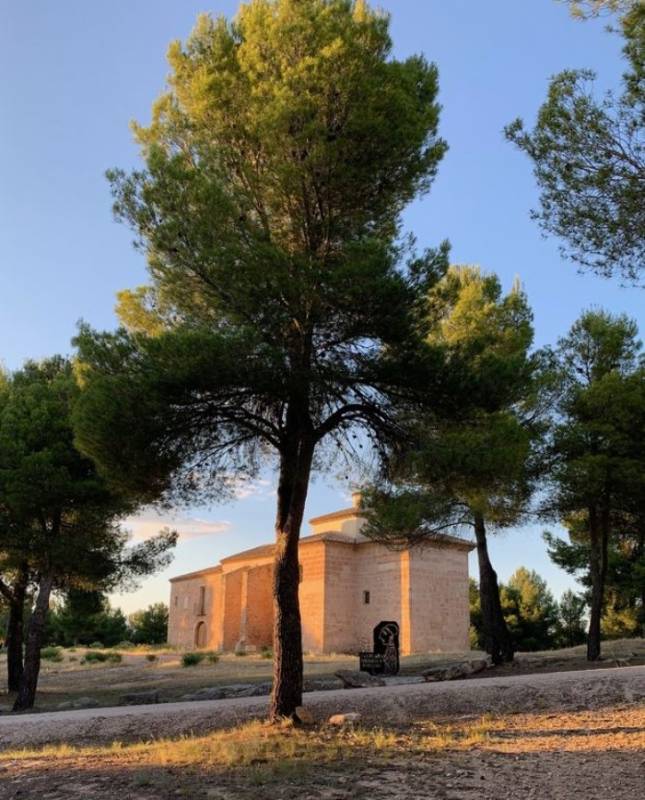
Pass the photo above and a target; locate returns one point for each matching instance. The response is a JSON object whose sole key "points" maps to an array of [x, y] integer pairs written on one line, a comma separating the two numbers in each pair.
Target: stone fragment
{"points": [[350, 718], [305, 716], [79, 702], [207, 693], [455, 671], [358, 680]]}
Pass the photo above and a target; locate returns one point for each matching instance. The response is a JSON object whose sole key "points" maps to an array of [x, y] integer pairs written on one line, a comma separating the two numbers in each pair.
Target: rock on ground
{"points": [[358, 680]]}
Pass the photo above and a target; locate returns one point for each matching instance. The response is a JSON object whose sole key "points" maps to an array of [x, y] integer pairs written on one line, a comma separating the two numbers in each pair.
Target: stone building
{"points": [[348, 585]]}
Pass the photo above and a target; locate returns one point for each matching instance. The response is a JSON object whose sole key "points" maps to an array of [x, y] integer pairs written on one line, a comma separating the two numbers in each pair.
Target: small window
{"points": [[176, 600], [366, 598], [202, 601]]}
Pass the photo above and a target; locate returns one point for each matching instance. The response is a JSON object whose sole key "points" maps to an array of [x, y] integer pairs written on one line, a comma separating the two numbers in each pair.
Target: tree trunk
{"points": [[598, 535], [35, 635], [498, 642], [15, 631], [295, 469]]}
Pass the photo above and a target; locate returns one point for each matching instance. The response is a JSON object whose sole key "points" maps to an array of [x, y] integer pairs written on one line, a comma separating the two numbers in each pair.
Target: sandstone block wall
{"points": [[439, 612], [377, 571], [259, 607], [340, 592], [184, 610], [311, 593]]}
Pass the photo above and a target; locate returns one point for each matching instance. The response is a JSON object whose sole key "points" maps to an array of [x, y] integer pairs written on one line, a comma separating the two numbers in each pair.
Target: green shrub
{"points": [[98, 656], [151, 657], [191, 659], [51, 654], [73, 658], [240, 653], [266, 652], [96, 645], [124, 645], [212, 658]]}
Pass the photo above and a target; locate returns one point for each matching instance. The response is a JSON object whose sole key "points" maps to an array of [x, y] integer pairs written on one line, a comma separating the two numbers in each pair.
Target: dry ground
{"points": [[544, 755], [70, 680]]}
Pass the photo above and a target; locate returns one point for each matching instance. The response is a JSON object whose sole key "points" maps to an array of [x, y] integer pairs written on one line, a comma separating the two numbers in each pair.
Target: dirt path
{"points": [[398, 705]]}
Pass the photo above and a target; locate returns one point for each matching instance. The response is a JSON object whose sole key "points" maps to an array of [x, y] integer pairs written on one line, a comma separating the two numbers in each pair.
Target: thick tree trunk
{"points": [[498, 642], [295, 469], [35, 635], [15, 631], [599, 536]]}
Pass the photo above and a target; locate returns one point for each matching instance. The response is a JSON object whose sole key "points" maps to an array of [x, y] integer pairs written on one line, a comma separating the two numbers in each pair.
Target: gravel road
{"points": [[573, 691]]}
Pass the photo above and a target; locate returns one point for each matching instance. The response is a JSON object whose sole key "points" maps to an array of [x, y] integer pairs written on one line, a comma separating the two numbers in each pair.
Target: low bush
{"points": [[51, 654], [191, 659], [124, 645], [98, 656], [151, 657], [266, 652], [212, 658], [96, 645]]}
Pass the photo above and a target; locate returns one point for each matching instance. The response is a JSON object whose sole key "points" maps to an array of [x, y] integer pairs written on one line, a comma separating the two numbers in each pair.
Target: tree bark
{"points": [[15, 631], [498, 642], [295, 469], [35, 635], [598, 536]]}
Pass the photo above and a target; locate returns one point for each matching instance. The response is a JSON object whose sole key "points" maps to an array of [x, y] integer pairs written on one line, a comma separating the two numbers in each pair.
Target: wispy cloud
{"points": [[245, 489], [146, 525]]}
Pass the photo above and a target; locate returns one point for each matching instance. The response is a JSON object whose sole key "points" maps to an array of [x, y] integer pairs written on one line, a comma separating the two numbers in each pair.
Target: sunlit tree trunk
{"points": [[295, 469]]}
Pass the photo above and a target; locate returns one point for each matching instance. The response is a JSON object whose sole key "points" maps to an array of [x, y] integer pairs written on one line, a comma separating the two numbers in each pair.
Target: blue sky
{"points": [[75, 74]]}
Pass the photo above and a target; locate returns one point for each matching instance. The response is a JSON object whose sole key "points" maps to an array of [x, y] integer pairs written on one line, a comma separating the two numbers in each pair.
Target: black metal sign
{"points": [[371, 662], [385, 658]]}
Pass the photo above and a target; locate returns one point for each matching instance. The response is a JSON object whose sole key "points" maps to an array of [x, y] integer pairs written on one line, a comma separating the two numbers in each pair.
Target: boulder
{"points": [[140, 698], [455, 671], [345, 719], [79, 702], [304, 716], [208, 693], [358, 680], [246, 689], [322, 684]]}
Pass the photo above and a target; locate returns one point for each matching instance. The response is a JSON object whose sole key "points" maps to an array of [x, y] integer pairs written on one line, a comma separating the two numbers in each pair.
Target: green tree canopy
{"points": [[597, 478], [588, 157], [150, 626], [85, 617], [281, 309], [477, 471], [530, 610], [60, 519]]}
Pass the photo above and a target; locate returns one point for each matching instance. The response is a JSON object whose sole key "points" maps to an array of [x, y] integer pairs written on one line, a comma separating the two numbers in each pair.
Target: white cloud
{"points": [[245, 489], [146, 525]]}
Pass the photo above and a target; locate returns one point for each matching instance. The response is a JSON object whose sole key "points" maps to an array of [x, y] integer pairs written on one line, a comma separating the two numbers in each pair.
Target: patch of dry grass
{"points": [[261, 743]]}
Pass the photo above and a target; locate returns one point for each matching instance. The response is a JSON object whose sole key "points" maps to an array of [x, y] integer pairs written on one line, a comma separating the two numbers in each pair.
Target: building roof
{"points": [[342, 514], [197, 574], [267, 550]]}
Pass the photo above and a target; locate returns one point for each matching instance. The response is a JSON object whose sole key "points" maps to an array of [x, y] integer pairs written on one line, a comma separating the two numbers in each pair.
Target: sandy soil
{"points": [[540, 756]]}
